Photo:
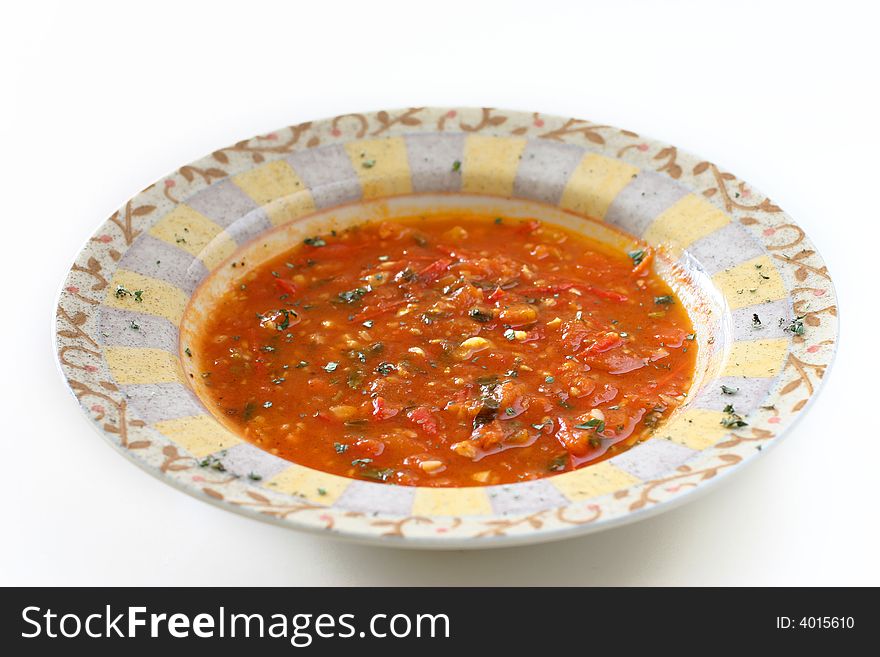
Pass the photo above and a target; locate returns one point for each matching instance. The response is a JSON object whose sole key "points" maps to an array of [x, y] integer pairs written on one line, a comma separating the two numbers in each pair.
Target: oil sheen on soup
{"points": [[459, 350]]}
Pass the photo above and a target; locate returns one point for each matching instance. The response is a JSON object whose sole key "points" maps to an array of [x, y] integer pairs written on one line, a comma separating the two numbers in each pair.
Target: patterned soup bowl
{"points": [[757, 291]]}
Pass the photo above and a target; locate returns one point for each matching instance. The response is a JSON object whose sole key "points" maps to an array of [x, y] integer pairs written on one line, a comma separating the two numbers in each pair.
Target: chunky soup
{"points": [[452, 351]]}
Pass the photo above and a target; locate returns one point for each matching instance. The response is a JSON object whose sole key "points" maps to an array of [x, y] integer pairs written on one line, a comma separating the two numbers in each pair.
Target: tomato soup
{"points": [[458, 350]]}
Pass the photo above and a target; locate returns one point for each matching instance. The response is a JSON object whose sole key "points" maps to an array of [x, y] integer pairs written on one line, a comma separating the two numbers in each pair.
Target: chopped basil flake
{"points": [[385, 368], [122, 292], [212, 462], [797, 325], [597, 425], [479, 315], [731, 420], [637, 256], [377, 474], [352, 296]]}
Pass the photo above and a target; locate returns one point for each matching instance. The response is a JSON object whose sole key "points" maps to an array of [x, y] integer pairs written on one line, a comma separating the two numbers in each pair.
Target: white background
{"points": [[99, 100]]}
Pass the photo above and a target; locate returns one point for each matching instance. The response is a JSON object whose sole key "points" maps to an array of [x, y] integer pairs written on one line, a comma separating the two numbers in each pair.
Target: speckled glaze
{"points": [[733, 253]]}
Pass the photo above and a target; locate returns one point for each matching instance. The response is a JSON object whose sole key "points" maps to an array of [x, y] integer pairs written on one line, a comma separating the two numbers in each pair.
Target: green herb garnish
{"points": [[122, 292], [731, 420], [385, 368], [479, 315], [377, 474], [637, 256], [352, 296], [797, 325], [597, 425], [212, 462]]}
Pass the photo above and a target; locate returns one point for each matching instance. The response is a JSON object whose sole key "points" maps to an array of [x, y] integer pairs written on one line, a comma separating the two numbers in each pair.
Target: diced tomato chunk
{"points": [[496, 294], [604, 294], [603, 343], [671, 337], [285, 286], [381, 411], [424, 418], [435, 270], [607, 394], [365, 447], [576, 442]]}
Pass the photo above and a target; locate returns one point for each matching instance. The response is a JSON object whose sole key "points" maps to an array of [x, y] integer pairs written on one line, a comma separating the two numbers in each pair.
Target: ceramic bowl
{"points": [[758, 292]]}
